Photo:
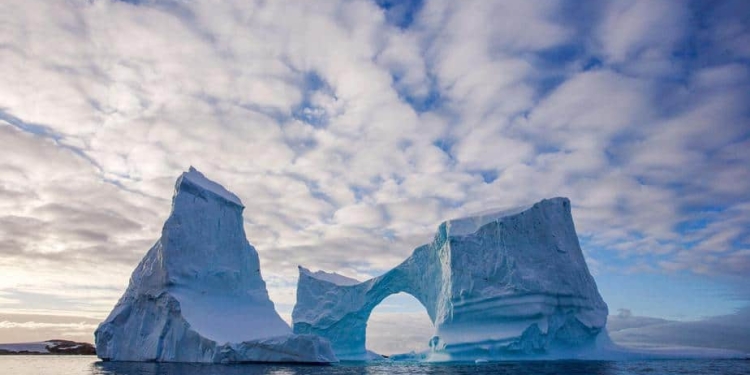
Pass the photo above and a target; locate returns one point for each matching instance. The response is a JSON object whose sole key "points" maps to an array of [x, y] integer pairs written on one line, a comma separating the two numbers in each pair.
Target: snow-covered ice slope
{"points": [[198, 294], [499, 284]]}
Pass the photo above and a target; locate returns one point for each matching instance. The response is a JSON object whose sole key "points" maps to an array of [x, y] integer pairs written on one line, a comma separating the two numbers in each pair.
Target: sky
{"points": [[350, 129]]}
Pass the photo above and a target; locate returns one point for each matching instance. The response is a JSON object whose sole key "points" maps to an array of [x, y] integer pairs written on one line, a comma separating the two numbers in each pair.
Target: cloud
{"points": [[724, 332], [37, 325], [398, 333], [350, 129], [626, 34], [28, 327]]}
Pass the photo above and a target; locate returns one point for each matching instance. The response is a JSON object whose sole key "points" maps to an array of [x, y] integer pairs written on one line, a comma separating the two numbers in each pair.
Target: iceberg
{"points": [[496, 285], [198, 294]]}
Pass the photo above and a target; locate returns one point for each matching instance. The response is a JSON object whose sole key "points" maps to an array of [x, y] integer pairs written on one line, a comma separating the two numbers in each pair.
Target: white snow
{"points": [[198, 294], [32, 347], [471, 223], [503, 283], [197, 178], [331, 277]]}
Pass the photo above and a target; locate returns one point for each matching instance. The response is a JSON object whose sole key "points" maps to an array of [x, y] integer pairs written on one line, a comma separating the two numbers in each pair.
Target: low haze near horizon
{"points": [[350, 129]]}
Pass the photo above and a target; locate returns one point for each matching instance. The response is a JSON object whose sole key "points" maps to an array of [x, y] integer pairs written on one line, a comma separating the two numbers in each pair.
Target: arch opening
{"points": [[398, 324]]}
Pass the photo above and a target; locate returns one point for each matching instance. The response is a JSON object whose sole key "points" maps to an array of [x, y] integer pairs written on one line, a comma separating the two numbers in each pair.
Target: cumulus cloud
{"points": [[350, 129], [38, 325], [28, 328], [397, 333], [724, 332]]}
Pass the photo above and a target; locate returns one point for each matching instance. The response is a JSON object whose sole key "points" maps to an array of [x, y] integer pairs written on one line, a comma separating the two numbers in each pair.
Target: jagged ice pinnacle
{"points": [[198, 294]]}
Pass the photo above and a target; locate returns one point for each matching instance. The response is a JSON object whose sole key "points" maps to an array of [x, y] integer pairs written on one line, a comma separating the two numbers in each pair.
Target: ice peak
{"points": [[198, 294], [196, 179], [471, 223], [331, 277]]}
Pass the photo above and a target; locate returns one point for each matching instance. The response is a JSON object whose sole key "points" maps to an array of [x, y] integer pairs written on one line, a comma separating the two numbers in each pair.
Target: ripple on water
{"points": [[89, 365]]}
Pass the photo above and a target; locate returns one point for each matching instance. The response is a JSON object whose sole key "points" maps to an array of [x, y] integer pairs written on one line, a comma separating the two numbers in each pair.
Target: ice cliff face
{"points": [[198, 295], [496, 285]]}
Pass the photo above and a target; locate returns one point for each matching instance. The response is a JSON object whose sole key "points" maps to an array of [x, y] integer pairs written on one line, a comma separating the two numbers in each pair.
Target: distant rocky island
{"points": [[49, 347]]}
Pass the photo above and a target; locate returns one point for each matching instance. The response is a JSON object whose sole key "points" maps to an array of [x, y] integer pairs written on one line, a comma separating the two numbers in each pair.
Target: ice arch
{"points": [[498, 284], [338, 308]]}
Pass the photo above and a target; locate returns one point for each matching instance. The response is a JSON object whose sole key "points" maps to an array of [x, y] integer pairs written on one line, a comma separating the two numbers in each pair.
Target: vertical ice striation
{"points": [[500, 284], [198, 294]]}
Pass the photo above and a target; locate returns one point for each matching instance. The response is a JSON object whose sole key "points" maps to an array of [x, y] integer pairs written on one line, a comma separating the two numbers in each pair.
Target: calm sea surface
{"points": [[48, 365]]}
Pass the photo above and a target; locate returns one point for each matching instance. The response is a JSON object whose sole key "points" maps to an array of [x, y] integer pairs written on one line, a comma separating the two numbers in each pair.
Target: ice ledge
{"points": [[331, 277], [471, 223], [196, 179]]}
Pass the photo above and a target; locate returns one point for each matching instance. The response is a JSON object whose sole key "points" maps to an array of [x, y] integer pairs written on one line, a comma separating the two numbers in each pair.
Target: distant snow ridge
{"points": [[58, 347], [498, 285], [198, 295]]}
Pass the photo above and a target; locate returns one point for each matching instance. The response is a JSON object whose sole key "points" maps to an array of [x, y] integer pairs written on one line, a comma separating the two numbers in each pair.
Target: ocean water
{"points": [[57, 365]]}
